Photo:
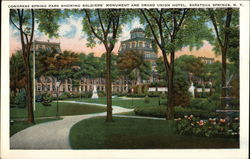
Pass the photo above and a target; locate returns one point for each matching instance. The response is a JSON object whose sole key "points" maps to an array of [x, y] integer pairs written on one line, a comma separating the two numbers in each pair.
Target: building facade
{"points": [[138, 42], [49, 84]]}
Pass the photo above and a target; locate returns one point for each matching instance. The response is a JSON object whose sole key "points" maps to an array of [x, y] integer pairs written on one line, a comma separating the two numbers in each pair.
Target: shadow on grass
{"points": [[129, 133]]}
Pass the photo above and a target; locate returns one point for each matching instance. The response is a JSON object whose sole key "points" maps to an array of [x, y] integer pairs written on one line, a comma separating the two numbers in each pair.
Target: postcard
{"points": [[125, 79]]}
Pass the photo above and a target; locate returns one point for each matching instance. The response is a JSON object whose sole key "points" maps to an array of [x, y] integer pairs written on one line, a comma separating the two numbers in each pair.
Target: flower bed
{"points": [[191, 125]]}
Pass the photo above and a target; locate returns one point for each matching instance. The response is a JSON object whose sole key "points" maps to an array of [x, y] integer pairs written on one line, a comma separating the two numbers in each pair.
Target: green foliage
{"points": [[12, 97], [20, 98], [152, 111], [17, 72], [160, 111], [191, 125], [48, 21], [181, 95], [46, 99], [101, 94], [136, 95], [204, 104], [64, 95], [86, 94], [132, 63], [146, 100], [154, 94], [98, 26]]}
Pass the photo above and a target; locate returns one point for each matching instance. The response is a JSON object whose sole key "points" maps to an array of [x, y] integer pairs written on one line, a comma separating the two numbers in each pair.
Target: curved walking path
{"points": [[55, 134]]}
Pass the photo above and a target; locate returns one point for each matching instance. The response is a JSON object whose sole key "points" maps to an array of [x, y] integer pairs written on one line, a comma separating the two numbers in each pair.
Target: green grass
{"points": [[126, 103], [64, 109], [128, 133], [20, 125]]}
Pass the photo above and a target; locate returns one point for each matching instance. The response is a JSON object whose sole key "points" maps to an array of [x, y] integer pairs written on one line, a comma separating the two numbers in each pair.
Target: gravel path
{"points": [[55, 134]]}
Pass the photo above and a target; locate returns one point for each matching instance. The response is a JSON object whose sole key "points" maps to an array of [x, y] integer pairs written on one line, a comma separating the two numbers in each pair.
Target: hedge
{"points": [[160, 111]]}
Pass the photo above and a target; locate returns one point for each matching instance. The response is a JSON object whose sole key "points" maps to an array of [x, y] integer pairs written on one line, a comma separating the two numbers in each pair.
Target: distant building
{"points": [[207, 60], [43, 45], [48, 84]]}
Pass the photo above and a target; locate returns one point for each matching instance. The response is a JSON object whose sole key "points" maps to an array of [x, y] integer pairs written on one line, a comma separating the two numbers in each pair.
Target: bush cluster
{"points": [[46, 99], [212, 127], [66, 95], [154, 94], [203, 104], [101, 94], [18, 99], [160, 111], [136, 95]]}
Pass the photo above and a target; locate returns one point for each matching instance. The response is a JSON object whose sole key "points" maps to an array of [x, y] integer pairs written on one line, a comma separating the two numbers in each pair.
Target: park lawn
{"points": [[21, 125], [131, 133], [64, 109], [126, 103]]}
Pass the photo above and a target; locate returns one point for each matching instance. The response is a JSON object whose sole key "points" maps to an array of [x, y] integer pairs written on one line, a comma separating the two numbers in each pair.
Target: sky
{"points": [[71, 37]]}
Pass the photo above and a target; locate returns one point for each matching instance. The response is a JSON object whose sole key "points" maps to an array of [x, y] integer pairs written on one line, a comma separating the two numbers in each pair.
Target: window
{"points": [[69, 87], [64, 89], [39, 87], [128, 45], [140, 44], [48, 87], [133, 45], [147, 45]]}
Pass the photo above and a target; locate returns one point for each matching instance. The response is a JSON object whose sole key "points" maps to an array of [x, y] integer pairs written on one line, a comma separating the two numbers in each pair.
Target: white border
{"points": [[241, 153]]}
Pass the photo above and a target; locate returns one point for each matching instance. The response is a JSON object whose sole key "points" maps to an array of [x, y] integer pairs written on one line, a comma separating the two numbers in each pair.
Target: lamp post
{"points": [[34, 74], [57, 92]]}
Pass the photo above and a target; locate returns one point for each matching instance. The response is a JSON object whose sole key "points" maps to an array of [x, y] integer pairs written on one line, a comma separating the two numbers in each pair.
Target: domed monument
{"points": [[138, 42]]}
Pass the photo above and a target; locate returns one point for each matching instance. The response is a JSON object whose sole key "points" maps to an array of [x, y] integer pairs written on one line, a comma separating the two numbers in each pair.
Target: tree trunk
{"points": [[223, 78], [108, 87], [29, 90], [170, 104], [26, 53]]}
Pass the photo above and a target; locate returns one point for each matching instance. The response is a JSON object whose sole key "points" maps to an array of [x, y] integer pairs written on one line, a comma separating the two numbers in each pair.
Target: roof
{"points": [[46, 43], [137, 30], [137, 39]]}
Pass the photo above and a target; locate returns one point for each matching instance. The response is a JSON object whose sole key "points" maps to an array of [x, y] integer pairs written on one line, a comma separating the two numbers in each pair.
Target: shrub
{"points": [[203, 104], [160, 111], [12, 97], [46, 99], [38, 98], [86, 94], [20, 98], [180, 112], [153, 111], [101, 94], [146, 100], [136, 95], [163, 95], [211, 127], [64, 95], [154, 94], [120, 94]]}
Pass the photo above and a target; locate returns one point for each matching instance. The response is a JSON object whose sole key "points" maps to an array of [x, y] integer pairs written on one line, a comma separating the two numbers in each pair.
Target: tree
{"points": [[105, 26], [26, 29], [222, 20], [24, 22], [17, 73], [134, 62], [60, 65], [173, 29]]}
